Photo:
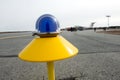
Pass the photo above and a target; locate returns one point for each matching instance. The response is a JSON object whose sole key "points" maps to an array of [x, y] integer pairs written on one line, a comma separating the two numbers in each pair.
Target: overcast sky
{"points": [[22, 14]]}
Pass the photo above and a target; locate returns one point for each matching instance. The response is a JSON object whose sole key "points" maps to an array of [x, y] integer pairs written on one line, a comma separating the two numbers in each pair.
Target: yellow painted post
{"points": [[51, 71]]}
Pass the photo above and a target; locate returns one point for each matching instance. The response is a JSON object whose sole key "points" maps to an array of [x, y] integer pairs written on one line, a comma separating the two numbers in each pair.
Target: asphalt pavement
{"points": [[98, 58]]}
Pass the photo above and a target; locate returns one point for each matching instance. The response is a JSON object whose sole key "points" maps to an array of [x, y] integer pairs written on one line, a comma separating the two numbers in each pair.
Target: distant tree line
{"points": [[80, 28], [114, 27]]}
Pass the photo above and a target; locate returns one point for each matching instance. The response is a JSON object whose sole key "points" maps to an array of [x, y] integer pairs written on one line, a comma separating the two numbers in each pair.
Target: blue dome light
{"points": [[47, 24]]}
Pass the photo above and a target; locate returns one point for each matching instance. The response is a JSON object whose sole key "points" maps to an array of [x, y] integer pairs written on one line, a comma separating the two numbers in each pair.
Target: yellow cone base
{"points": [[48, 49]]}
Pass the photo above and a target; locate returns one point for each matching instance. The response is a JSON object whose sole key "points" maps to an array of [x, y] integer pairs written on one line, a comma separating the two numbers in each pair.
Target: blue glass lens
{"points": [[47, 24]]}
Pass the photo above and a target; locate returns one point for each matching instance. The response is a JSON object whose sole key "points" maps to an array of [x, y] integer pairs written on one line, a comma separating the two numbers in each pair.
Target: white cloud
{"points": [[69, 12]]}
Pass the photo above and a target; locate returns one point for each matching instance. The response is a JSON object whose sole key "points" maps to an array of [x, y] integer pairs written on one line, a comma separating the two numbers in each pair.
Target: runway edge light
{"points": [[49, 46]]}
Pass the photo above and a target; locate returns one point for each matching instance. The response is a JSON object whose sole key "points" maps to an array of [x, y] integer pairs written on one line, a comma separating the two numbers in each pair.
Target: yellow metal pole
{"points": [[51, 71]]}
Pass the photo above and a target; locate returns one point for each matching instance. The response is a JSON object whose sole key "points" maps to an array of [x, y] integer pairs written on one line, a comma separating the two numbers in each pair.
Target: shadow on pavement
{"points": [[8, 56]]}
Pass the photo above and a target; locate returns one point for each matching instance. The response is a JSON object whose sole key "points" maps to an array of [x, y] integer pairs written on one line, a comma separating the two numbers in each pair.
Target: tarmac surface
{"points": [[98, 58]]}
